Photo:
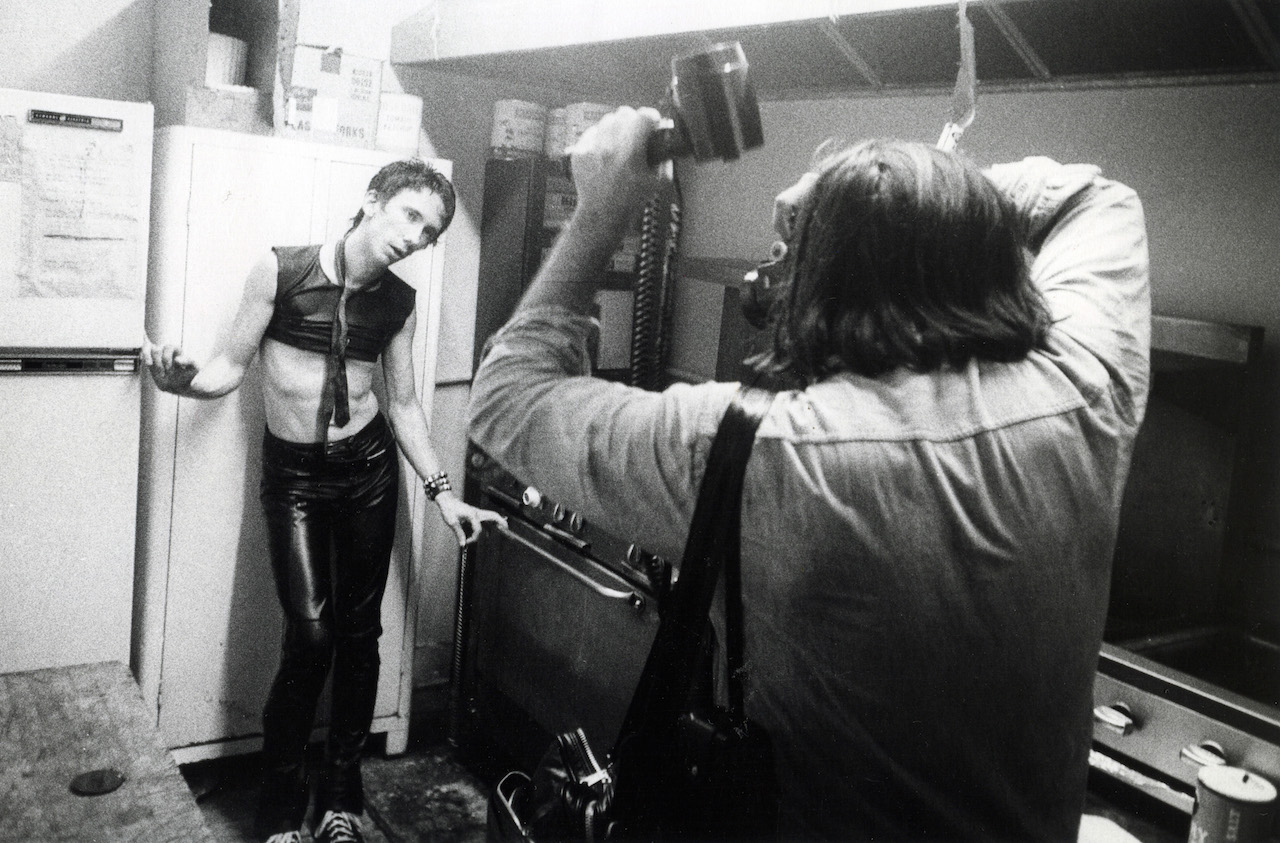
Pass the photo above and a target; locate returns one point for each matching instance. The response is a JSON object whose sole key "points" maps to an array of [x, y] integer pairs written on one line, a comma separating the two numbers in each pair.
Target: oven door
{"points": [[554, 641]]}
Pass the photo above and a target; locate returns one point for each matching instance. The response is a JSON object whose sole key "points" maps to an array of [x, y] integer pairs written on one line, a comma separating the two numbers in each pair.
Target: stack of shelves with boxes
{"points": [[275, 68], [215, 64], [529, 197]]}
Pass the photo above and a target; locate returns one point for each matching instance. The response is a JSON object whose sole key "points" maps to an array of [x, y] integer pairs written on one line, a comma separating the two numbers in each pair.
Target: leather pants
{"points": [[331, 518]]}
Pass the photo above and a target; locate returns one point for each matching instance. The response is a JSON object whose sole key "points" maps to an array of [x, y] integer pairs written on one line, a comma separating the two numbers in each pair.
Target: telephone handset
{"points": [[715, 116], [715, 112]]}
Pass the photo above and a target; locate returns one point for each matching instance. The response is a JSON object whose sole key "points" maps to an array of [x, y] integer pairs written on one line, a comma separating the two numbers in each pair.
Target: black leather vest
{"points": [[306, 299]]}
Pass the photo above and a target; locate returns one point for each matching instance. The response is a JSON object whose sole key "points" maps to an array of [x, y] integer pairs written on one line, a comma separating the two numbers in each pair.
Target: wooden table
{"points": [[60, 722]]}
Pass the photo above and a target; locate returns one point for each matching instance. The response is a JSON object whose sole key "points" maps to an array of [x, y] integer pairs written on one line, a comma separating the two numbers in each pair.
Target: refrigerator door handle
{"points": [[69, 361]]}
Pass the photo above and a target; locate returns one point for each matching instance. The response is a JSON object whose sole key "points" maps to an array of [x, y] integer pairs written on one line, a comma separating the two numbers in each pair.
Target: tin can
{"points": [[519, 129], [557, 133], [1232, 806]]}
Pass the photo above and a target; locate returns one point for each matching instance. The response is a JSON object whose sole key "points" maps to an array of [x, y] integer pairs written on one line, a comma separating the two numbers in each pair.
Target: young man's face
{"points": [[409, 221]]}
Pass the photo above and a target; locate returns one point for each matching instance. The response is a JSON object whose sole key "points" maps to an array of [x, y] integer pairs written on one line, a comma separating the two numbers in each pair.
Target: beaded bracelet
{"points": [[435, 484]]}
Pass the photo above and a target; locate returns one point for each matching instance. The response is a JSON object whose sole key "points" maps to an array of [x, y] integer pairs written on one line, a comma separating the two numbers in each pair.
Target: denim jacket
{"points": [[925, 557]]}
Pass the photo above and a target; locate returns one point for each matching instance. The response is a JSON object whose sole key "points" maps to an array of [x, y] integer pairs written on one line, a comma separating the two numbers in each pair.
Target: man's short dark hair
{"points": [[411, 174], [904, 256]]}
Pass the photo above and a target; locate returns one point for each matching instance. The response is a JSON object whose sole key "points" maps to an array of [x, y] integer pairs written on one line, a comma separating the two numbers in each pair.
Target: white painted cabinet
{"points": [[208, 625]]}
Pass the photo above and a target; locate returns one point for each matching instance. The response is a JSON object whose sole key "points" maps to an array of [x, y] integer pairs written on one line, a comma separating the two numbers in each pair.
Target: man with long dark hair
{"points": [[320, 318], [905, 257], [929, 517]]}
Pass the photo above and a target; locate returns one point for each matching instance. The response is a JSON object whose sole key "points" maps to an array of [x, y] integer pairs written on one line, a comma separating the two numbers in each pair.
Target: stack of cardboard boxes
{"points": [[335, 97]]}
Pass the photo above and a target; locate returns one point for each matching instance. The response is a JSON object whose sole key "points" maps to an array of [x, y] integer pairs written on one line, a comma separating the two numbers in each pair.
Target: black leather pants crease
{"points": [[331, 515]]}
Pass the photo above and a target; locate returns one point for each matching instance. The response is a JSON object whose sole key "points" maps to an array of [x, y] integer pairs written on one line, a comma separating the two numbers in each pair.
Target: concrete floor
{"points": [[427, 795], [423, 795]]}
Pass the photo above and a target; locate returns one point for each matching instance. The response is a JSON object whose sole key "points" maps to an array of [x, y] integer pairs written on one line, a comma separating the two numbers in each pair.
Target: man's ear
{"points": [[371, 202]]}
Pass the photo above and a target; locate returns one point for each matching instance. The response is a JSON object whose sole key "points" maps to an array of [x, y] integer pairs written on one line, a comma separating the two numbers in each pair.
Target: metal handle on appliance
{"points": [[632, 599], [69, 361], [1204, 754], [503, 496], [1117, 717], [506, 791], [565, 536], [1152, 787]]}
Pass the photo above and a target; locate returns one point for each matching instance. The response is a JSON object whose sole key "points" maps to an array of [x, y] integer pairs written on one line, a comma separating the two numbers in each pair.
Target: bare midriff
{"points": [[292, 383]]}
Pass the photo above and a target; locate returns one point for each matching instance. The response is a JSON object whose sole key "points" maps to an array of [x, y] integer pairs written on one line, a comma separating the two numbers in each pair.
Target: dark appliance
{"points": [[555, 618], [527, 201], [1186, 677], [554, 615], [513, 237], [713, 116]]}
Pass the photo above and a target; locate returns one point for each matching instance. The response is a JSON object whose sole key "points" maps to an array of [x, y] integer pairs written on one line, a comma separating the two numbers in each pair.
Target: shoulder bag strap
{"points": [[756, 403], [663, 689]]}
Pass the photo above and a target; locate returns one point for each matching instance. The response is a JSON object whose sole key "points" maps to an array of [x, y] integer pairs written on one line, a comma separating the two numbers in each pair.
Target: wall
{"points": [[362, 27], [88, 48], [1205, 160]]}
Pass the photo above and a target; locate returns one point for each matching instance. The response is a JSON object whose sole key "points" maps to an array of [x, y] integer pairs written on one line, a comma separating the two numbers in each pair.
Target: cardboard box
{"points": [[231, 108], [333, 97], [399, 123]]}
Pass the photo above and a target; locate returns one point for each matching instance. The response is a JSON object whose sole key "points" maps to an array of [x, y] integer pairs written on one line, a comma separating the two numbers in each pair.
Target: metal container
{"points": [[519, 129], [1232, 806]]}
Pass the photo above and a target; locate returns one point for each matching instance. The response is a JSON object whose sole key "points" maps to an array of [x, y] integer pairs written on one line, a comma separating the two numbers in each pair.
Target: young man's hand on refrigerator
{"points": [[172, 370]]}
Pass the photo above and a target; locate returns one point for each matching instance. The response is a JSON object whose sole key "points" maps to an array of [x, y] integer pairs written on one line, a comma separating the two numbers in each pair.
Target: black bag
{"points": [[682, 768]]}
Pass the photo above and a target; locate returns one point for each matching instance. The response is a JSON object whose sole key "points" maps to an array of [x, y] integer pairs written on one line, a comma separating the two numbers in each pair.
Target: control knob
{"points": [[1117, 717]]}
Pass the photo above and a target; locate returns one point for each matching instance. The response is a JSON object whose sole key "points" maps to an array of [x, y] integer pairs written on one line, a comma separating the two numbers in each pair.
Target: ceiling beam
{"points": [[459, 28], [851, 55], [1255, 25], [1016, 39]]}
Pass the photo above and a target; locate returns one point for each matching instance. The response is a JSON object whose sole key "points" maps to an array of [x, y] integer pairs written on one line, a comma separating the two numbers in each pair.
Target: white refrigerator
{"points": [[75, 187]]}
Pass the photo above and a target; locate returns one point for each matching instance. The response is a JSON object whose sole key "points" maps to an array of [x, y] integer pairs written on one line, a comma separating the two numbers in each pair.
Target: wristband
{"points": [[435, 484]]}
